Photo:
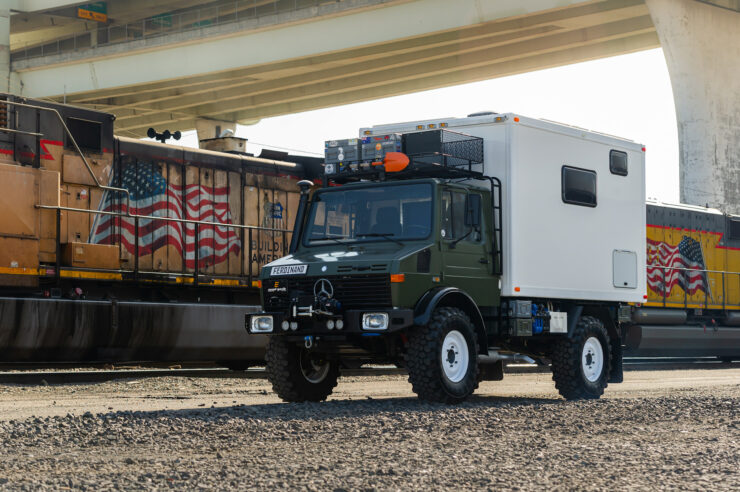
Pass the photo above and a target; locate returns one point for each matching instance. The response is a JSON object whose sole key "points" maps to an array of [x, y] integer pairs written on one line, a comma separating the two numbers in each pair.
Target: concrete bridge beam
{"points": [[701, 42]]}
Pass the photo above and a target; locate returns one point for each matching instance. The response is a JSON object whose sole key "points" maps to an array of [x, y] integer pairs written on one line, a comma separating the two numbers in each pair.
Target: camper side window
{"points": [[618, 162], [579, 186]]}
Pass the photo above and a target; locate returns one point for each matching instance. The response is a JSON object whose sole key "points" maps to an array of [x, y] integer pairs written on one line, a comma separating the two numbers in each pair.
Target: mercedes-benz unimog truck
{"points": [[447, 247]]}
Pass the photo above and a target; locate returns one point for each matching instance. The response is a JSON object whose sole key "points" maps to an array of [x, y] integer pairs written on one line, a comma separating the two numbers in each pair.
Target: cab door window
{"points": [[453, 217]]}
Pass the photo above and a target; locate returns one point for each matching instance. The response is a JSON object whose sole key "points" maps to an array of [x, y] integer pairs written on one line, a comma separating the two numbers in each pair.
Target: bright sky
{"points": [[628, 96]]}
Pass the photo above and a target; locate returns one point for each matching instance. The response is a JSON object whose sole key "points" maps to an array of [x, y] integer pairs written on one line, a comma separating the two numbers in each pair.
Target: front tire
{"points": [[581, 364], [442, 357], [298, 375]]}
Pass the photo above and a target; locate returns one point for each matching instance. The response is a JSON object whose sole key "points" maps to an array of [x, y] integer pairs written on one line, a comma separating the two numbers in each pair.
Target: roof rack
{"points": [[431, 154]]}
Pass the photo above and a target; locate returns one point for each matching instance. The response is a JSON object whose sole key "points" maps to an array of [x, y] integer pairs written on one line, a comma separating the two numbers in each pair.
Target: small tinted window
{"points": [[618, 162], [579, 186], [87, 134], [734, 225]]}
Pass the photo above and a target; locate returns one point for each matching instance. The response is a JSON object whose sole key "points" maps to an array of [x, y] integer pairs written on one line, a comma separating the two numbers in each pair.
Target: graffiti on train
{"points": [[152, 195], [681, 264]]}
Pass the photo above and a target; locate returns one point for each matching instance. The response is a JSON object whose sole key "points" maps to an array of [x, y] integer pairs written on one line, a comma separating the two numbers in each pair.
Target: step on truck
{"points": [[447, 247]]}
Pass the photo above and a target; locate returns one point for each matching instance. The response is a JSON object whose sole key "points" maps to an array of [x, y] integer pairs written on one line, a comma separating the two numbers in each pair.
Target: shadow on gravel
{"points": [[335, 409]]}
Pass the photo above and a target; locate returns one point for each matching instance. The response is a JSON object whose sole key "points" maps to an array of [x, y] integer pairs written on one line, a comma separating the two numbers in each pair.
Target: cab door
{"points": [[466, 255]]}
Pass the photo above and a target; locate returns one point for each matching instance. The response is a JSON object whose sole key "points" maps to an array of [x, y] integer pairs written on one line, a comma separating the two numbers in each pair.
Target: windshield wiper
{"points": [[386, 235], [330, 238]]}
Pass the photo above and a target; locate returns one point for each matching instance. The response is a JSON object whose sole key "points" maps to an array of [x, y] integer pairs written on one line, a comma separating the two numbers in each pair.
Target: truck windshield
{"points": [[378, 213]]}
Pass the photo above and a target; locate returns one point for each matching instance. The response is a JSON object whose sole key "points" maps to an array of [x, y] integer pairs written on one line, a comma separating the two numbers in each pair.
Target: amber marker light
{"points": [[395, 161], [257, 283], [398, 278], [516, 118], [517, 289]]}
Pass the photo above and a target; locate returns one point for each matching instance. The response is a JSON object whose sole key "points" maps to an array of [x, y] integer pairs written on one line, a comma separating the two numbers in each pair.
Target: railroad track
{"points": [[91, 375]]}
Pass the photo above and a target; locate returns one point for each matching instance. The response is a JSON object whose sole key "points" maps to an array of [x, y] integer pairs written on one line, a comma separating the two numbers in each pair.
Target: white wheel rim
{"points": [[592, 359], [455, 356]]}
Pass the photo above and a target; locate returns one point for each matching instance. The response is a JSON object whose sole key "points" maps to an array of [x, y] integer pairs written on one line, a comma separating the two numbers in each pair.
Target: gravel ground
{"points": [[645, 434]]}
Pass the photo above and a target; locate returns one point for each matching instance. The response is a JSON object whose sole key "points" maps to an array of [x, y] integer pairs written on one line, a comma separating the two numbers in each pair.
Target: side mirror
{"points": [[473, 211]]}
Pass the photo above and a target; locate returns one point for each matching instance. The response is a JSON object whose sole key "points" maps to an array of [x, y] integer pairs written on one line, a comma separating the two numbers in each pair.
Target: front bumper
{"points": [[398, 319]]}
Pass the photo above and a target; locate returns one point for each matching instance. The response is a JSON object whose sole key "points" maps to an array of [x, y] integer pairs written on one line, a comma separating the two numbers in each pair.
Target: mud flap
{"points": [[617, 373], [492, 372]]}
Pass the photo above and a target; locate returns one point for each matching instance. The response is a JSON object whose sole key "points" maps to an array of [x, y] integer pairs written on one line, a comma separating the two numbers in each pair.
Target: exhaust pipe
{"points": [[494, 356]]}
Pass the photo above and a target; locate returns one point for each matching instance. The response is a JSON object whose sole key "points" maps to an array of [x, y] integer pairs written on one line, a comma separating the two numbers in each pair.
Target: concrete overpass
{"points": [[168, 63]]}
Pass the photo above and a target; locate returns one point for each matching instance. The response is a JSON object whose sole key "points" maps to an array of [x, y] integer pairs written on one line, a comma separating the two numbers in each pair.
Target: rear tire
{"points": [[442, 357], [581, 364], [298, 375]]}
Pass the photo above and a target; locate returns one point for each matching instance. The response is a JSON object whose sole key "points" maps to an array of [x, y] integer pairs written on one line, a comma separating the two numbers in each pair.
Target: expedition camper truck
{"points": [[453, 245]]}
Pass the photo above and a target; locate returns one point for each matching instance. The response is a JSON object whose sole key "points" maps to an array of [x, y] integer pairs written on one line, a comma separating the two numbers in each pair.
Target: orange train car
{"points": [[115, 249], [693, 277]]}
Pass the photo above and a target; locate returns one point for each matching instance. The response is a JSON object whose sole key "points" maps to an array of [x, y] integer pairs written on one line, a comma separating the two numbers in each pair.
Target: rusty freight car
{"points": [[115, 249]]}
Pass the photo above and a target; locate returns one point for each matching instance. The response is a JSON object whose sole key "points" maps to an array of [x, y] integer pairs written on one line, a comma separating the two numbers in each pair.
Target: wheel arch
{"points": [[452, 297], [603, 314]]}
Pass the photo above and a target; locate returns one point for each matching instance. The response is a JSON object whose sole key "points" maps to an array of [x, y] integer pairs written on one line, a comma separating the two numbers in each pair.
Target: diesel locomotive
{"points": [[115, 249]]}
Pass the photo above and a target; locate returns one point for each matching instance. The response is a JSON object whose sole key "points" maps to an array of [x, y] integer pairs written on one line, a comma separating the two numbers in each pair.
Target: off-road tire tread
{"points": [[566, 361], [422, 357], [284, 373]]}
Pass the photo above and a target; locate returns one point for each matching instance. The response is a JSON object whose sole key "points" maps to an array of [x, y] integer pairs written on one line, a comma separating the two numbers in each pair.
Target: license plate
{"points": [[288, 270]]}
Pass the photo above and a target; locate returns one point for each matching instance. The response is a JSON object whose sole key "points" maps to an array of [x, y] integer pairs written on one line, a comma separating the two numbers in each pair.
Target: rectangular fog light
{"points": [[375, 321], [261, 324]]}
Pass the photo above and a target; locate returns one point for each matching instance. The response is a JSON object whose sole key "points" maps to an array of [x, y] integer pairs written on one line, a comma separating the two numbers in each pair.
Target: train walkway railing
{"points": [[691, 282], [225, 12], [248, 268]]}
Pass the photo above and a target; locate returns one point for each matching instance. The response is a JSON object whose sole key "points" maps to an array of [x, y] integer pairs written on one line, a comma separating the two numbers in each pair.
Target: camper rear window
{"points": [[87, 134], [579, 186], [618, 162]]}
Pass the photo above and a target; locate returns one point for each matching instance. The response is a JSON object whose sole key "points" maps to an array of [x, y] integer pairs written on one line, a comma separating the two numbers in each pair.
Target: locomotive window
{"points": [[734, 228], [618, 162], [87, 134], [579, 186]]}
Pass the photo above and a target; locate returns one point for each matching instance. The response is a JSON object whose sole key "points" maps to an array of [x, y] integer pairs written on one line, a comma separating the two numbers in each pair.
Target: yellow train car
{"points": [[693, 278], [693, 257]]}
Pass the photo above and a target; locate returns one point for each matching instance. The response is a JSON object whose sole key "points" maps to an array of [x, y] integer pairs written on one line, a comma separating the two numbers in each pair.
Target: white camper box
{"points": [[553, 249]]}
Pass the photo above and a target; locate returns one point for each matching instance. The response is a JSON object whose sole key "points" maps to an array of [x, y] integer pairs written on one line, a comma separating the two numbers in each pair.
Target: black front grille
{"points": [[353, 291]]}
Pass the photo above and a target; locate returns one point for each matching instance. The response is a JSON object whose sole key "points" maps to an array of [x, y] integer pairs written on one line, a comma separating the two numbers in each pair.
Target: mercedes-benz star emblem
{"points": [[323, 288]]}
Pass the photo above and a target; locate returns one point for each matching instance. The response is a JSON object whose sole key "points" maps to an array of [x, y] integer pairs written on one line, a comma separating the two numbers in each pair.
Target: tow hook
{"points": [[308, 341]]}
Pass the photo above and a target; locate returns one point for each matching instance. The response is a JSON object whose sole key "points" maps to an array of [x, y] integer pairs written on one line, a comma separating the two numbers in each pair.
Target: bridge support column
{"points": [[701, 44], [4, 49]]}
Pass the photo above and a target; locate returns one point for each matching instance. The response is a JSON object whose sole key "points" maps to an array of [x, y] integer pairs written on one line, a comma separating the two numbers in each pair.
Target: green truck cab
{"points": [[401, 263]]}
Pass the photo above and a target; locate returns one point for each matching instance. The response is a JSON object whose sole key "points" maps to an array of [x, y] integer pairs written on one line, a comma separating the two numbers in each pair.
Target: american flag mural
{"points": [[686, 255], [152, 195]]}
